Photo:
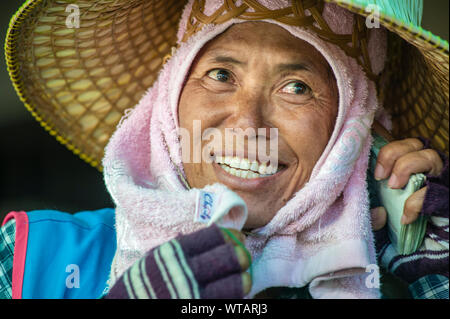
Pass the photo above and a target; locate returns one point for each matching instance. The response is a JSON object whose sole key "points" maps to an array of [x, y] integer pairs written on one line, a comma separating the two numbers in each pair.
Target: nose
{"points": [[251, 111]]}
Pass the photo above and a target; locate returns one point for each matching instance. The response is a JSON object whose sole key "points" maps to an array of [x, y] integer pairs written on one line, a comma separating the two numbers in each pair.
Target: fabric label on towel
{"points": [[204, 207]]}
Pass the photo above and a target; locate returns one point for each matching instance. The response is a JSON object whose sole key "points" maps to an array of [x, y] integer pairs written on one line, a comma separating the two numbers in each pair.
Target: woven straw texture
{"points": [[416, 78], [78, 82]]}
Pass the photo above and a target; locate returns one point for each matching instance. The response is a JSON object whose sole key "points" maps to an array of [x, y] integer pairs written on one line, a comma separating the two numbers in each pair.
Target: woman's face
{"points": [[257, 75]]}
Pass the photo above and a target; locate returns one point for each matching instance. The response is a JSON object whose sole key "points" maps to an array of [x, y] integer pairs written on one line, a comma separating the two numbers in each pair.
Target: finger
{"points": [[413, 206], [239, 236], [246, 282], [214, 264], [389, 154], [231, 287], [423, 161], [201, 241], [242, 257], [379, 217]]}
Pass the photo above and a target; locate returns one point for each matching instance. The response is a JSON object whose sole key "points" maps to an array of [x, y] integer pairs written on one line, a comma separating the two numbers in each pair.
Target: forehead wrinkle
{"points": [[223, 53]]}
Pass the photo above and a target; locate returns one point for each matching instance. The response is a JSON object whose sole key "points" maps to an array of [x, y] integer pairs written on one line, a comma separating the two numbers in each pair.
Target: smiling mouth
{"points": [[243, 168]]}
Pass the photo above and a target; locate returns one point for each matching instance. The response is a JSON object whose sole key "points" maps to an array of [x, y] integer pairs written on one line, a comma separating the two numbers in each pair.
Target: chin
{"points": [[254, 221]]}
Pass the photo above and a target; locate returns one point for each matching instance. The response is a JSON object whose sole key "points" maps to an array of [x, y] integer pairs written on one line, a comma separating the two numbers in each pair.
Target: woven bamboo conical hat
{"points": [[78, 82]]}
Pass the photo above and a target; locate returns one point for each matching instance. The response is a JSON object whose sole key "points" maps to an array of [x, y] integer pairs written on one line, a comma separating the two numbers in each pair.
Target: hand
{"points": [[397, 161], [209, 263]]}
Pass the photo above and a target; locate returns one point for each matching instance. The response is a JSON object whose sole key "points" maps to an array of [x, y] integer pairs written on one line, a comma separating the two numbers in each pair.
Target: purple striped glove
{"points": [[201, 265]]}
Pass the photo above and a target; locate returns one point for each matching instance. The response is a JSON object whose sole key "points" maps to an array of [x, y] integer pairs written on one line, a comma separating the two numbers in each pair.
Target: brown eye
{"points": [[219, 75], [297, 87]]}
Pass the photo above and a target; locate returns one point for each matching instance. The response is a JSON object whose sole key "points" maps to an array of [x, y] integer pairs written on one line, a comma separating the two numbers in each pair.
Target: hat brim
{"points": [[78, 82], [415, 79]]}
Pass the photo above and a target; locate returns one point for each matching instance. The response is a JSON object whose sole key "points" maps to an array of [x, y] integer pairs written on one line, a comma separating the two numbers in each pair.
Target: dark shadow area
{"points": [[36, 172]]}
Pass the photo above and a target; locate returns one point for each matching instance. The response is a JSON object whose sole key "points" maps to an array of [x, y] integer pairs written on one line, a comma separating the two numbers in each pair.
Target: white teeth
{"points": [[241, 167], [262, 169], [245, 164], [271, 170], [254, 166], [235, 162], [252, 175]]}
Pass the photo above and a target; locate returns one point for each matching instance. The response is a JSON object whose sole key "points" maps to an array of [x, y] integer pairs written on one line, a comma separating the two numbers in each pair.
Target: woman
{"points": [[306, 212]]}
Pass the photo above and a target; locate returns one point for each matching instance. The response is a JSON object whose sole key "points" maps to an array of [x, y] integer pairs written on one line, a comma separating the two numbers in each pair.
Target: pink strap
{"points": [[20, 251]]}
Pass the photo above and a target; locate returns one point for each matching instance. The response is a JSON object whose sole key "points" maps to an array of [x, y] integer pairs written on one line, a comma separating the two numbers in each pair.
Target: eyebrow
{"points": [[293, 67], [227, 59], [283, 67]]}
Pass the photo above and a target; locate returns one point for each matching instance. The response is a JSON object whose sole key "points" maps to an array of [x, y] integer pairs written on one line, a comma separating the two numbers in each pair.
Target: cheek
{"points": [[193, 120], [196, 104], [321, 121], [186, 108], [309, 134], [191, 116]]}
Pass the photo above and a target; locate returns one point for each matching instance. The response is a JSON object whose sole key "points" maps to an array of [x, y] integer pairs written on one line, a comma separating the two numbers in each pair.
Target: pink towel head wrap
{"points": [[321, 237]]}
